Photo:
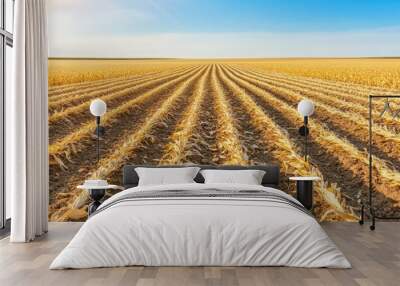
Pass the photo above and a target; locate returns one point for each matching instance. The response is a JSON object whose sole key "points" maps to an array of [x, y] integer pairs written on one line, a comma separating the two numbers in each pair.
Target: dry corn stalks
{"points": [[350, 157], [64, 148], [291, 162]]}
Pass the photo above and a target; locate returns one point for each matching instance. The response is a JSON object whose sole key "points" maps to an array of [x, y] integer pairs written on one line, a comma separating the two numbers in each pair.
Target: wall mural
{"points": [[176, 96]]}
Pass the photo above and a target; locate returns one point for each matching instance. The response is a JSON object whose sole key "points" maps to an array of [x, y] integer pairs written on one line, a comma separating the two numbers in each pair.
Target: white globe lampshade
{"points": [[305, 107], [98, 107]]}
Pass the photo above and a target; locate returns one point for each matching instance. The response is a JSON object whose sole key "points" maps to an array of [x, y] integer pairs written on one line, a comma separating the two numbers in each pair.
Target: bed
{"points": [[197, 224]]}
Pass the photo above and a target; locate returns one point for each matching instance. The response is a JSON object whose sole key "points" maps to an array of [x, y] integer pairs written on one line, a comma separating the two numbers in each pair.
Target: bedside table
{"points": [[96, 193], [305, 190]]}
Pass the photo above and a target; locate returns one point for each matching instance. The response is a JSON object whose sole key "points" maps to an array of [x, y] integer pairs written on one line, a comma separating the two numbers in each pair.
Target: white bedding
{"points": [[200, 231]]}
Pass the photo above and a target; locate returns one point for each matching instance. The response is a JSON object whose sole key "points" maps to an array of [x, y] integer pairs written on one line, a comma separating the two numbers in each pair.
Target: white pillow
{"points": [[166, 176], [248, 177]]}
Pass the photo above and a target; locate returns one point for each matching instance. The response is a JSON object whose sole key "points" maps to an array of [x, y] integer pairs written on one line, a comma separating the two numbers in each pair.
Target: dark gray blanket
{"points": [[206, 194]]}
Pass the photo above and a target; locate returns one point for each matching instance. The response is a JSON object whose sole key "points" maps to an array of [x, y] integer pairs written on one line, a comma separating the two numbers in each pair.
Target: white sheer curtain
{"points": [[26, 124]]}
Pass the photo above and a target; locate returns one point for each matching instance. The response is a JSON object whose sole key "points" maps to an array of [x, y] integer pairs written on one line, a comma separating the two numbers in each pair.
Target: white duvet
{"points": [[199, 231]]}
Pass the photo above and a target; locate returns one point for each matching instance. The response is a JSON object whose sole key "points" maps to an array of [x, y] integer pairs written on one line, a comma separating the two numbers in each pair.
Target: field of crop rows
{"points": [[223, 113]]}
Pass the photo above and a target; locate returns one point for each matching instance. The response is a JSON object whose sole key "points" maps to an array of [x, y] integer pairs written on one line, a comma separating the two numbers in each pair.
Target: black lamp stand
{"points": [[99, 132], [304, 131], [96, 194]]}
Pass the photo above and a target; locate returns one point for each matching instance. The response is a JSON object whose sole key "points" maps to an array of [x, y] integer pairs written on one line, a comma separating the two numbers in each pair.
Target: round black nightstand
{"points": [[96, 193], [305, 190]]}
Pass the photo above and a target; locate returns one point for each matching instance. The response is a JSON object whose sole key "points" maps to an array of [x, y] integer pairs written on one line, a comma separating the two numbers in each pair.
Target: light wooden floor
{"points": [[375, 257]]}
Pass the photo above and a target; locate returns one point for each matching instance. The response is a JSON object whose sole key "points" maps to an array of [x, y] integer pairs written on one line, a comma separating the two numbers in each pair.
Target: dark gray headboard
{"points": [[271, 177]]}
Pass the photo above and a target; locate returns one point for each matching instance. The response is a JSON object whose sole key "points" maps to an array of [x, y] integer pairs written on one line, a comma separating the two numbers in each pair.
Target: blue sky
{"points": [[268, 15], [189, 28]]}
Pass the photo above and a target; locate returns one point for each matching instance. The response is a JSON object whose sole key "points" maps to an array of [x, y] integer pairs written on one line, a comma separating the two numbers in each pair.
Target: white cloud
{"points": [[382, 42], [105, 28], [93, 17]]}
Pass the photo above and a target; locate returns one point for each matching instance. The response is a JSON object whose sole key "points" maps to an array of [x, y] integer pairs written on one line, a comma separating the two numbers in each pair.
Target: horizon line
{"points": [[228, 58]]}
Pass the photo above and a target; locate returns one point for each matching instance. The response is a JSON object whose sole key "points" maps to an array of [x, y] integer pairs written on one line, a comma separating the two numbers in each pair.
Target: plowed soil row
{"points": [[64, 100], [251, 139], [175, 150], [352, 127], [65, 122], [201, 147], [67, 146], [348, 170], [345, 102], [63, 194], [230, 147], [344, 86], [55, 91], [329, 204]]}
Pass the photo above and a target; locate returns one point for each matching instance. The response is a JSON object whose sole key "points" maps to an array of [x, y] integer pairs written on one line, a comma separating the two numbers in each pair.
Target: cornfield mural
{"points": [[225, 112]]}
